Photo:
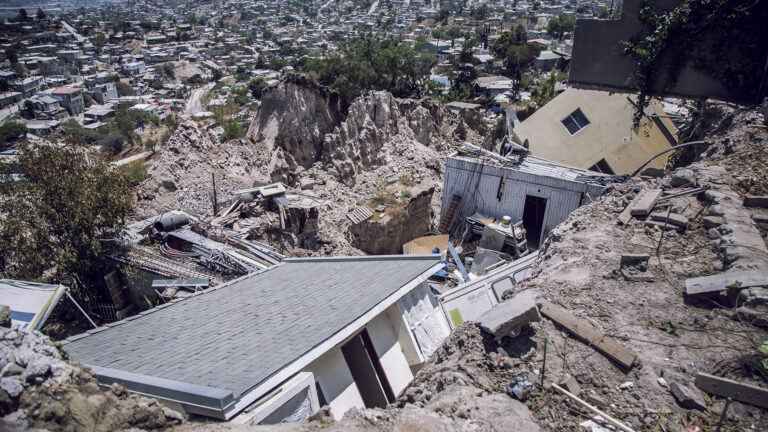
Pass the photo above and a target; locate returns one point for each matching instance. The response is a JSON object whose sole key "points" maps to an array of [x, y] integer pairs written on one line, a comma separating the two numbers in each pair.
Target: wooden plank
{"points": [[646, 202], [589, 333], [719, 282], [626, 215], [735, 390]]}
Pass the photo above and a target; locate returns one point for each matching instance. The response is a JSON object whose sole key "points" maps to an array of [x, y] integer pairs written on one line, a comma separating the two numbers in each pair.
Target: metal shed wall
{"points": [[478, 184]]}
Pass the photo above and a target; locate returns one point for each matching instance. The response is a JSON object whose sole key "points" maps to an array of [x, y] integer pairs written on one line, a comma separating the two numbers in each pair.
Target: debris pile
{"points": [[40, 389], [383, 151]]}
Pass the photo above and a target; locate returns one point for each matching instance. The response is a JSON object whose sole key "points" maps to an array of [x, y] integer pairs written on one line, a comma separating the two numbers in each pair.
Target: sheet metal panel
{"points": [[479, 185]]}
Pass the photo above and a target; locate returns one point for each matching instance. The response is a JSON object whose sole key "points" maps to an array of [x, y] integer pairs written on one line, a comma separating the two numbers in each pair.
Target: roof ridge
{"points": [[364, 258], [162, 306]]}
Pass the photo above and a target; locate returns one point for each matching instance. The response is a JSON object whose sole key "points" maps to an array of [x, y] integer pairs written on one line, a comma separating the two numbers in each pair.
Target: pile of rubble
{"points": [[616, 326], [301, 138], [40, 389]]}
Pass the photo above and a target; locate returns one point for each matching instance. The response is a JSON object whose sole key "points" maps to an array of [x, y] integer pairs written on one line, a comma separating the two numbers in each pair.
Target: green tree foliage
{"points": [[112, 143], [445, 12], [726, 39], [372, 65], [256, 87], [544, 91], [232, 130], [137, 171], [464, 75], [481, 12], [560, 25], [10, 132], [123, 89], [52, 220], [514, 49]]}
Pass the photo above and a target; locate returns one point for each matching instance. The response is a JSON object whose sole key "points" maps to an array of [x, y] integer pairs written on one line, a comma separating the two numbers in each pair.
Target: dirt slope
{"points": [[301, 138]]}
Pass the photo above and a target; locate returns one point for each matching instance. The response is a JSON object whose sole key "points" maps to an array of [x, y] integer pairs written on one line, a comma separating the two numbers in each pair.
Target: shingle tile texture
{"points": [[236, 336]]}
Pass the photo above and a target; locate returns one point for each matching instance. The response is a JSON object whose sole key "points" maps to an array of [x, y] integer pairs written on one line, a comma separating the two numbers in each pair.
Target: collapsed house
{"points": [[276, 345], [538, 192], [594, 130], [173, 255]]}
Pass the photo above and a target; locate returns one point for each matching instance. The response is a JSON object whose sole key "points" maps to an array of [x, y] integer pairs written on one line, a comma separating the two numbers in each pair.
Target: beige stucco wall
{"points": [[609, 135]]}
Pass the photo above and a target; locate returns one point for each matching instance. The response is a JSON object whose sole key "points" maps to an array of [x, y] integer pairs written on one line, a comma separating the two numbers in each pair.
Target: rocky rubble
{"points": [[300, 138], [40, 389]]}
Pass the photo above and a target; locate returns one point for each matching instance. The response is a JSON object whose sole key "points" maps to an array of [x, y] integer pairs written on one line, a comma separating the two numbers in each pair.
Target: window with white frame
{"points": [[575, 122]]}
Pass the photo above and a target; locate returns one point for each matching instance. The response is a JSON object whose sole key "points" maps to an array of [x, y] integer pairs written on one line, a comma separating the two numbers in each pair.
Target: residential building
{"points": [[70, 98], [134, 68], [541, 193], [594, 130], [277, 344], [28, 86], [105, 92]]}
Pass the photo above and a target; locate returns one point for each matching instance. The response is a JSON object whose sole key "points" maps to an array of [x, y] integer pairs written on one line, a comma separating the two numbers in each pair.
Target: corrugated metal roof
{"points": [[238, 335], [533, 165]]}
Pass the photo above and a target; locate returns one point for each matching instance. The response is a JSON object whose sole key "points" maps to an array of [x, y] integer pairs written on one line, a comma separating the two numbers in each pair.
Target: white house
{"points": [[276, 345]]}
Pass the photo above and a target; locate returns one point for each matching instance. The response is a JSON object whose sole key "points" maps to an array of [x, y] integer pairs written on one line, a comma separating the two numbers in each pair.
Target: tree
{"points": [[10, 132], [11, 54], [464, 75], [51, 226], [216, 75], [23, 16], [123, 89], [232, 130], [560, 25], [41, 15], [517, 53], [544, 91], [29, 109], [256, 86], [481, 12]]}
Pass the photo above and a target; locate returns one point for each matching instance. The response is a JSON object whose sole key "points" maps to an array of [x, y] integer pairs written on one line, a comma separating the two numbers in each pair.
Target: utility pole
{"points": [[215, 200]]}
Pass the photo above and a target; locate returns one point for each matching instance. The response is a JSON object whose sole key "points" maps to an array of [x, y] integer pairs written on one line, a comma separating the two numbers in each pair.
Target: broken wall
{"points": [[385, 236]]}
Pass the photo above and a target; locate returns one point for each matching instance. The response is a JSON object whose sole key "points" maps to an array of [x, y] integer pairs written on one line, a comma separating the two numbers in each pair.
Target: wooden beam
{"points": [[719, 282], [589, 333], [735, 390]]}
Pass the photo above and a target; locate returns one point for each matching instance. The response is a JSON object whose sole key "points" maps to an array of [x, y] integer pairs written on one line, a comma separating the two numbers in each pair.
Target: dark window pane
{"points": [[570, 125], [580, 118]]}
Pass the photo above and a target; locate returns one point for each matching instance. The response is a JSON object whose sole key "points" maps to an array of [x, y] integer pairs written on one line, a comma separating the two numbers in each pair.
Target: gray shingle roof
{"points": [[237, 335]]}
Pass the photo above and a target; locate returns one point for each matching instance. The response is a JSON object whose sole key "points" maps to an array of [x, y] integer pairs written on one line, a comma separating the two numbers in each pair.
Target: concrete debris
{"points": [[569, 383], [55, 395], [627, 385], [755, 201], [414, 418], [597, 424], [646, 202], [384, 151], [712, 221], [688, 396], [635, 260], [508, 317], [672, 218], [683, 177]]}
